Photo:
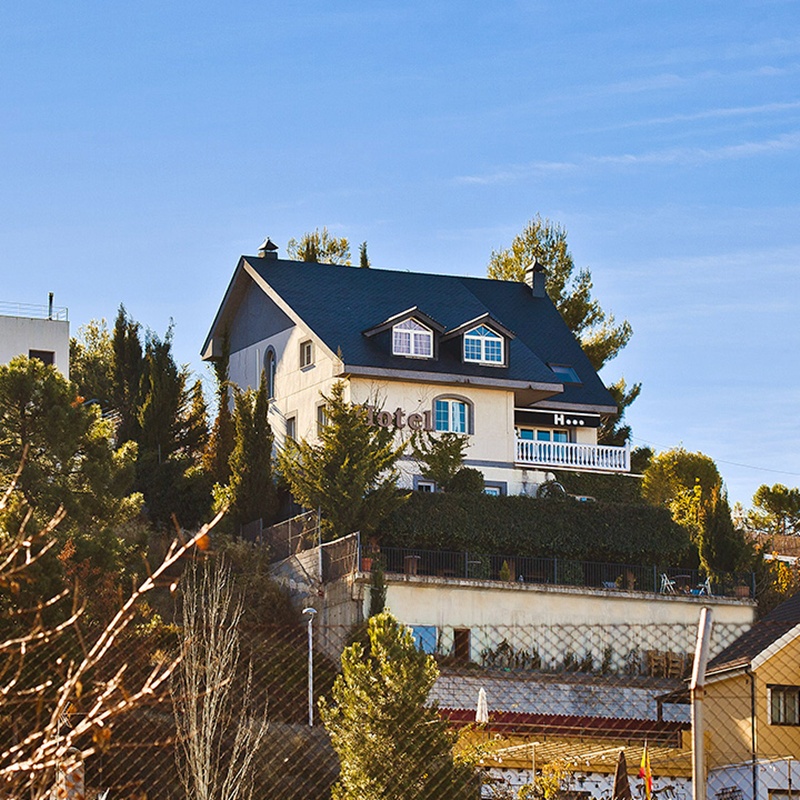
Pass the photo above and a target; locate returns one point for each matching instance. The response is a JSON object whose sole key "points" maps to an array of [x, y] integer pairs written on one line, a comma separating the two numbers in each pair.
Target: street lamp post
{"points": [[311, 612]]}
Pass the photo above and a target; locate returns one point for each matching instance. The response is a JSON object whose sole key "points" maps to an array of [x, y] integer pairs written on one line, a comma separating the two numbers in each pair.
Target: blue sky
{"points": [[145, 146]]}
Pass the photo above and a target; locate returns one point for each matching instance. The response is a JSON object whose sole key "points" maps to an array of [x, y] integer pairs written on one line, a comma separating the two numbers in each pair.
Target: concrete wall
{"points": [[552, 621], [19, 335]]}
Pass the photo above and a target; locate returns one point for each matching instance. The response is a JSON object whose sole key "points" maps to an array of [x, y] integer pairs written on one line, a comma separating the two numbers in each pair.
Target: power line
{"points": [[723, 461]]}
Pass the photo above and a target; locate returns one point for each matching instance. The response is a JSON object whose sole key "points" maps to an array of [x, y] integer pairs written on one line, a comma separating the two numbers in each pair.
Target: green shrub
{"points": [[525, 526], [606, 488]]}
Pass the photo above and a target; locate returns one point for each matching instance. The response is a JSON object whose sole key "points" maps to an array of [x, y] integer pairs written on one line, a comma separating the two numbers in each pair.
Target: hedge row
{"points": [[609, 488], [525, 526]]}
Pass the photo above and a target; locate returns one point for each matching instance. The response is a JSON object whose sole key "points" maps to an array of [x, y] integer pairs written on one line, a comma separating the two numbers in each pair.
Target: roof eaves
{"points": [[276, 298], [487, 317], [206, 353], [776, 646], [449, 378], [414, 312]]}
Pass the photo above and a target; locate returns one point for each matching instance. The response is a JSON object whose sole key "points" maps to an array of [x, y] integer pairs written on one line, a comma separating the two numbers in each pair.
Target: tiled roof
{"points": [[765, 632], [563, 725], [340, 303]]}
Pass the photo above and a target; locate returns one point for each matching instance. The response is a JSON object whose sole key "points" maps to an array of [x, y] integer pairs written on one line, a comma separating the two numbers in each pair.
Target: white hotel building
{"points": [[490, 359]]}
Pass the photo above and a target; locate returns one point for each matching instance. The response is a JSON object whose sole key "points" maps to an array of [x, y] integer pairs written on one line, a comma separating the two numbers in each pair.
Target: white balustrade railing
{"points": [[571, 455]]}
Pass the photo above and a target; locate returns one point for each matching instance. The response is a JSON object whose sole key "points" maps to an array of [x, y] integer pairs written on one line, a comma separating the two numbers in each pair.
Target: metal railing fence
{"points": [[556, 571]]}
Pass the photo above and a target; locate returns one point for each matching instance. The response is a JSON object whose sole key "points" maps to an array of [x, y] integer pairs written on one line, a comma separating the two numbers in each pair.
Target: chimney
{"points": [[268, 249], [535, 278], [50, 305]]}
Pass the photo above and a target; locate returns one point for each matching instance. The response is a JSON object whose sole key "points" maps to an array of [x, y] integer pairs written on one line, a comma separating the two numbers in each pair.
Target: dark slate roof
{"points": [[340, 303], [764, 633]]}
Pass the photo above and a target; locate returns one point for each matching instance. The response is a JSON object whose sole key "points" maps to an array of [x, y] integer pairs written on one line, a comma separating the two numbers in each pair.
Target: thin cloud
{"points": [[679, 155], [711, 113]]}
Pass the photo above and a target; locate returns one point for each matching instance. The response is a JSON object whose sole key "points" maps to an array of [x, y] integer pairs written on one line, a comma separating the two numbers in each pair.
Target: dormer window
{"points": [[410, 338], [483, 346]]}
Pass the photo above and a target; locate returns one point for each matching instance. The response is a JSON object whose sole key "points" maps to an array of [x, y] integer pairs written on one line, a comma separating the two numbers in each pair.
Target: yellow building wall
{"points": [[728, 713], [728, 721], [777, 741]]}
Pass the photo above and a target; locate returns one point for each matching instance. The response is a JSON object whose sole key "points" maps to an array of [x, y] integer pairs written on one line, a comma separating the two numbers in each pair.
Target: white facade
{"points": [[35, 331], [507, 461], [529, 401]]}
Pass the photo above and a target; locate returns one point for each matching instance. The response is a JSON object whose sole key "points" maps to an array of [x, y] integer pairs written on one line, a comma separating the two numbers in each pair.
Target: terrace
{"points": [[572, 455], [652, 578]]}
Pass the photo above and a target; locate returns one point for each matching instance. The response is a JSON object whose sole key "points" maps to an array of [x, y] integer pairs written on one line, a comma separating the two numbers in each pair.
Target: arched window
{"points": [[483, 345], [451, 415], [270, 364], [410, 338]]}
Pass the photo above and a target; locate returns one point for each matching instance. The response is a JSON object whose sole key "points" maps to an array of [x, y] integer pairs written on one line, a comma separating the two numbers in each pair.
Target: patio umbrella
{"points": [[622, 789], [482, 711]]}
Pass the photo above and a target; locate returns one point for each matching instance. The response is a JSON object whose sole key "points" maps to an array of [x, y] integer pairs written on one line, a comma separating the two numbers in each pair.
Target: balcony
{"points": [[571, 455]]}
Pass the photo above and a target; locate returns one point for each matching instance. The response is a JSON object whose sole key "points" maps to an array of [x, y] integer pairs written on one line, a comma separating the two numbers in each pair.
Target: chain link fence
{"points": [[496, 721]]}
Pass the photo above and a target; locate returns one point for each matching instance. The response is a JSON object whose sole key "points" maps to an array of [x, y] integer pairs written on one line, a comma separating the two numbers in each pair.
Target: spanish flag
{"points": [[646, 773]]}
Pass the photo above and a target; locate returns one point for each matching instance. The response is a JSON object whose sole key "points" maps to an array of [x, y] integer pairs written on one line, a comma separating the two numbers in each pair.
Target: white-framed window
{"points": [[412, 339], [270, 364], [492, 491], [543, 435], [429, 487], [291, 428], [482, 345], [322, 417], [784, 705], [306, 353], [451, 415]]}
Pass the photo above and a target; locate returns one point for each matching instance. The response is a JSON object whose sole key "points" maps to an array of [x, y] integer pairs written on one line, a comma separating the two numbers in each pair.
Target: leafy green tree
{"points": [[440, 457], [546, 241], [390, 740], [320, 247], [350, 475], [252, 486], [63, 446], [91, 362], [776, 510], [683, 482], [690, 486]]}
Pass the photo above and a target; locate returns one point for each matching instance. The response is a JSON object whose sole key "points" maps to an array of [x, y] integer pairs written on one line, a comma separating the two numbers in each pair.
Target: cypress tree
{"points": [[127, 374], [392, 744], [216, 458], [252, 487]]}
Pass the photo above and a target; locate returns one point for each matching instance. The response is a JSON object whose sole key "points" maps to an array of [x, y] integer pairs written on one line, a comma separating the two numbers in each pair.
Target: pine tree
{"points": [[391, 742], [546, 242], [612, 430], [251, 482], [63, 446], [350, 475], [128, 368], [600, 337]]}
